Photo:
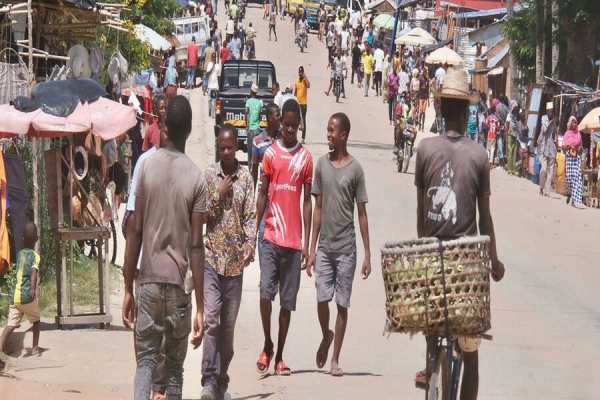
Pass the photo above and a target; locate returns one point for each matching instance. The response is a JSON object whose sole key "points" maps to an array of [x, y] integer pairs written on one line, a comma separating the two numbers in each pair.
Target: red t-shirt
{"points": [[192, 53], [152, 137], [288, 170], [224, 54]]}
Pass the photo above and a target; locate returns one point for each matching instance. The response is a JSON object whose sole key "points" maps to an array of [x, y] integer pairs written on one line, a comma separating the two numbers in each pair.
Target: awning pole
{"points": [[393, 44]]}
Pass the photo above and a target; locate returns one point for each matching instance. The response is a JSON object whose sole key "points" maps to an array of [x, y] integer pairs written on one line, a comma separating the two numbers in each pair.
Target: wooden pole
{"points": [[36, 199]]}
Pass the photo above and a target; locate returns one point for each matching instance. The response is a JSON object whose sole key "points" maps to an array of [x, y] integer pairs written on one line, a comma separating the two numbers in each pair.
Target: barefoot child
{"points": [[23, 299]]}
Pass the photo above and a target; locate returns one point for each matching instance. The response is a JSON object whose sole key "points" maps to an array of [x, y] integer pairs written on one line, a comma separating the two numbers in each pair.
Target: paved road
{"points": [[546, 322]]}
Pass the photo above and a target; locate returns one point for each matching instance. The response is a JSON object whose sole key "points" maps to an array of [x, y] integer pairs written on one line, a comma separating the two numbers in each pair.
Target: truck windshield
{"points": [[246, 76]]}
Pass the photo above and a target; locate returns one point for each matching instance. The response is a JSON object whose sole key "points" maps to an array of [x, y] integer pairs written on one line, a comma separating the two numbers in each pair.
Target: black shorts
{"points": [[280, 271]]}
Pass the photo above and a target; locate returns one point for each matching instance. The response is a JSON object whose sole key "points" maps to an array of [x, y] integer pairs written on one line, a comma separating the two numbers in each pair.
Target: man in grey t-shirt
{"points": [[168, 226], [452, 176], [339, 182]]}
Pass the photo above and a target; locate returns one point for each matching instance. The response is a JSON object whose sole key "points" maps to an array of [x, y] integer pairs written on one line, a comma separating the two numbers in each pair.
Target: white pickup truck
{"points": [[185, 29]]}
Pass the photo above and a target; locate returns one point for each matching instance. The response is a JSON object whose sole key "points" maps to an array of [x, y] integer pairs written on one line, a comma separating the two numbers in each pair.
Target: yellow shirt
{"points": [[368, 61], [301, 90]]}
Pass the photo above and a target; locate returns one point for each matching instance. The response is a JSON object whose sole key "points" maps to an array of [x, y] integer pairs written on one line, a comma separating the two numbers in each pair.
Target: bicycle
{"points": [[447, 363], [446, 368], [441, 289]]}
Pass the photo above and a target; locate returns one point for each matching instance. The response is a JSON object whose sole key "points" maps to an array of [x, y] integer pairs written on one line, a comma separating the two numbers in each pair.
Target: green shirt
{"points": [[233, 10], [27, 260], [254, 107]]}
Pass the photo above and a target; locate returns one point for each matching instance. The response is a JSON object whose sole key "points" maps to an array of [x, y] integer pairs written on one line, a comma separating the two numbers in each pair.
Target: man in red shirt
{"points": [[287, 171], [224, 56], [192, 56]]}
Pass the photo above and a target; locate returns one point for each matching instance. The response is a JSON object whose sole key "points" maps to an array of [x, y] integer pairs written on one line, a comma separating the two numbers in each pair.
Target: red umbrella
{"points": [[105, 118]]}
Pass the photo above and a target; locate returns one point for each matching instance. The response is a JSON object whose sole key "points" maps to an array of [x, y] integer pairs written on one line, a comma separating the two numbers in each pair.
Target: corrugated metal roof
{"points": [[490, 34], [492, 62], [483, 14]]}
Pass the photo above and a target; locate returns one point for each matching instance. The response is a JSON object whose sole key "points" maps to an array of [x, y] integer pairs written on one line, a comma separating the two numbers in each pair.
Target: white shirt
{"points": [[440, 74], [303, 24], [213, 78], [339, 65], [277, 99], [378, 55], [230, 27], [345, 36], [404, 80], [134, 181], [339, 24], [285, 97]]}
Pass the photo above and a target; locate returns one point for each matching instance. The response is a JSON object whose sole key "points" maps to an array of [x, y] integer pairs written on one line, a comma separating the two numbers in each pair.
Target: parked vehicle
{"points": [[237, 76], [312, 11], [292, 5], [185, 29]]}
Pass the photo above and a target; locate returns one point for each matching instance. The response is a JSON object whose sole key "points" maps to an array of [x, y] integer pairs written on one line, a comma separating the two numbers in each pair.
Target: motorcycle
{"points": [[337, 87], [242, 8], [407, 140], [302, 39], [250, 53]]}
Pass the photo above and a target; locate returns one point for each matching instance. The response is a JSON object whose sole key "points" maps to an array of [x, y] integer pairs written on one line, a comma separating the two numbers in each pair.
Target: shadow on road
{"points": [[255, 396]]}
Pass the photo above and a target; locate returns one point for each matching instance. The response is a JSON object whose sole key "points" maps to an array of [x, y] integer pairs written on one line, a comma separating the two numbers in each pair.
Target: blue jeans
{"points": [[162, 311], [222, 298], [191, 77]]}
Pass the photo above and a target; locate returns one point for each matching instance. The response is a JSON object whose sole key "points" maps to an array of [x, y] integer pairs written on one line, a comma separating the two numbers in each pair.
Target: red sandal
{"points": [[264, 360], [282, 369]]}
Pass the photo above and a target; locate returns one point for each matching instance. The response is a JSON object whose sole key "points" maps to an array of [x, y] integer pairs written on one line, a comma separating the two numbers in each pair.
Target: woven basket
{"points": [[412, 277]]}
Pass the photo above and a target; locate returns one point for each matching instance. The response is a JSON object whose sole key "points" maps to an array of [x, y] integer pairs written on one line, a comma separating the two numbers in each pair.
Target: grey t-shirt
{"points": [[453, 172], [171, 187], [339, 188]]}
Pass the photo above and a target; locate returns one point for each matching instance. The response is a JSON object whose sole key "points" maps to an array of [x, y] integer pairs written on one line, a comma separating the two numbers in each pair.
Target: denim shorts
{"points": [[334, 273], [280, 271]]}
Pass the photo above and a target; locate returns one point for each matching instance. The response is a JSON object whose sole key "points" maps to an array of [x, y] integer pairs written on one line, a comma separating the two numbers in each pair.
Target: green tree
{"points": [[577, 36], [522, 42]]}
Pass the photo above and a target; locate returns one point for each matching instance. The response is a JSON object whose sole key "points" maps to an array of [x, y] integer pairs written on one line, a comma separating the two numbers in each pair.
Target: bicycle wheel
{"points": [[439, 383]]}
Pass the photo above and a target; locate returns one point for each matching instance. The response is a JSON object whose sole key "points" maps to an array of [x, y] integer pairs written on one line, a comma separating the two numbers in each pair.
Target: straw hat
{"points": [[79, 62], [456, 86]]}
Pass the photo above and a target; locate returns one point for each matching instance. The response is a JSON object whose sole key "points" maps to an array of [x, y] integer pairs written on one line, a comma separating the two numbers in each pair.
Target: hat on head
{"points": [[550, 105], [254, 88], [289, 86], [456, 86], [495, 102]]}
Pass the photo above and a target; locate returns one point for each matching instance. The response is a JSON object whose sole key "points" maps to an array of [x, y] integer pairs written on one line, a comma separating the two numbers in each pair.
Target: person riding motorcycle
{"points": [[302, 30], [338, 67], [250, 46], [402, 112]]}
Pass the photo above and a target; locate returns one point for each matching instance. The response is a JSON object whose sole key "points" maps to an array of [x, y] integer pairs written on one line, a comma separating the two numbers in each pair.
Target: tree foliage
{"points": [[522, 41], [577, 34], [155, 14]]}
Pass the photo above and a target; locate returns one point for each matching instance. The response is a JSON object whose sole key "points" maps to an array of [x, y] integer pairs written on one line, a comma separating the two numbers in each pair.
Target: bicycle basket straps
{"points": [[412, 278]]}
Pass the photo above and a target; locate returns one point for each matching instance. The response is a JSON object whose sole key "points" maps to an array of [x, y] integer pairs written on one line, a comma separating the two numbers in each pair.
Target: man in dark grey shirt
{"points": [[452, 175], [339, 182]]}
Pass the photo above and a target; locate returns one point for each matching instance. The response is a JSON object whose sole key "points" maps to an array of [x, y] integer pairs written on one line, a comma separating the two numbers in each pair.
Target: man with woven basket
{"points": [[452, 175]]}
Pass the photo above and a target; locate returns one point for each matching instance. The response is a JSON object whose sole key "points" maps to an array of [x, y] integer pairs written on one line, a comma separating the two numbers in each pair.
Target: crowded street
{"points": [[545, 320]]}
